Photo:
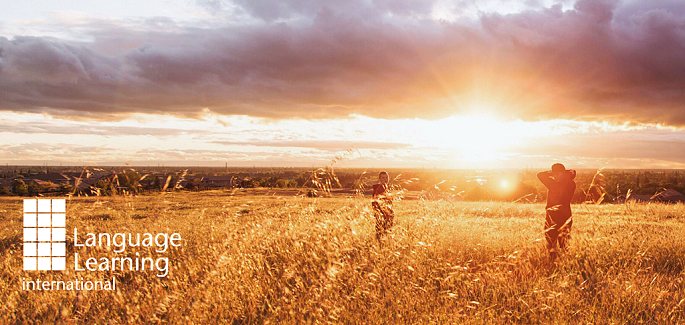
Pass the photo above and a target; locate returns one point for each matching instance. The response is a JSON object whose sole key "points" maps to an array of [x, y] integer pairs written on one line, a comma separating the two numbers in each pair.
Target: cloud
{"points": [[270, 11], [55, 152], [666, 146], [603, 59], [320, 145], [90, 129]]}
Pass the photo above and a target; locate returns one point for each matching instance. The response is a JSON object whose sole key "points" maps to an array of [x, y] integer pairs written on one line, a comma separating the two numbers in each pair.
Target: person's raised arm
{"points": [[546, 178], [572, 174]]}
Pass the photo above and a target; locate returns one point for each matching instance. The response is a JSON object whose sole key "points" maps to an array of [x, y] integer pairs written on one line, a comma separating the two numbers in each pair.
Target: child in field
{"points": [[382, 205], [560, 190]]}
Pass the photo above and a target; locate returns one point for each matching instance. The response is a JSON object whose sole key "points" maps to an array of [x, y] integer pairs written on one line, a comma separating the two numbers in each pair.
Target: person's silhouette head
{"points": [[558, 171], [383, 177]]}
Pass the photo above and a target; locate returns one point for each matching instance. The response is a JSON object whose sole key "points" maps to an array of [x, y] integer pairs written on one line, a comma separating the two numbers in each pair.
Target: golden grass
{"points": [[270, 259]]}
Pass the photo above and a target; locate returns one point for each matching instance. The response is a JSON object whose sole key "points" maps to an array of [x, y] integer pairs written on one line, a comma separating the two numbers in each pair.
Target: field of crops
{"points": [[289, 259]]}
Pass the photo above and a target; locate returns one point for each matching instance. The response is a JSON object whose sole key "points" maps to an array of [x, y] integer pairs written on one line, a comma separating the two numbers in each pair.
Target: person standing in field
{"points": [[382, 205], [560, 190]]}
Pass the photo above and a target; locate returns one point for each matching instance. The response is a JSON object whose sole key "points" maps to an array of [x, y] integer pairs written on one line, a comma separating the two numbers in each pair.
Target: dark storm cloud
{"points": [[321, 59]]}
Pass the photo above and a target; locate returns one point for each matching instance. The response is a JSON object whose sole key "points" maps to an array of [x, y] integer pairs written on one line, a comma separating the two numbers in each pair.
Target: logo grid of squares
{"points": [[44, 234]]}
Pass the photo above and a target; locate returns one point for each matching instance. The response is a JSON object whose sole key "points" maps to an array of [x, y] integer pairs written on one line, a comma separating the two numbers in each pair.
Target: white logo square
{"points": [[44, 220], [44, 205], [59, 263], [44, 234], [59, 234], [30, 263], [59, 249], [30, 234], [59, 205], [30, 205], [30, 249], [30, 220], [58, 220], [44, 249], [44, 263]]}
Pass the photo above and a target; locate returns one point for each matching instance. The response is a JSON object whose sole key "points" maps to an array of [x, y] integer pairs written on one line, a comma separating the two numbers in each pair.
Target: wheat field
{"points": [[290, 259]]}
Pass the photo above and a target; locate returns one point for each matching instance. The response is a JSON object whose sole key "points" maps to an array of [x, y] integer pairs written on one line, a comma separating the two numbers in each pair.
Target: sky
{"points": [[383, 83]]}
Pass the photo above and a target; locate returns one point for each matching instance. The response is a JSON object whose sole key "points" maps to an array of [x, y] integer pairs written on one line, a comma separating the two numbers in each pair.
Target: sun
{"points": [[475, 138], [504, 184]]}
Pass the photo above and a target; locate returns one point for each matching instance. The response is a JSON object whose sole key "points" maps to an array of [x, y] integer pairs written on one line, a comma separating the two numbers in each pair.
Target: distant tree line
{"points": [[522, 186]]}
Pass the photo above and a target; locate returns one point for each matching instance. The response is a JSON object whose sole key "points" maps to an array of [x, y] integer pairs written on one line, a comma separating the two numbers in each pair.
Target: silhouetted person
{"points": [[382, 205], [560, 190]]}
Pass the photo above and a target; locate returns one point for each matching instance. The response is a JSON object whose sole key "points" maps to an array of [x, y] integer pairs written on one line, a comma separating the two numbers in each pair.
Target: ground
{"points": [[247, 257]]}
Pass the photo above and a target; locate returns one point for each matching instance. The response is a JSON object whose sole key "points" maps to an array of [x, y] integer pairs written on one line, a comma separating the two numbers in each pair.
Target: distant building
{"points": [[55, 178], [47, 182], [218, 181], [45, 185], [667, 196], [194, 183], [84, 174]]}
